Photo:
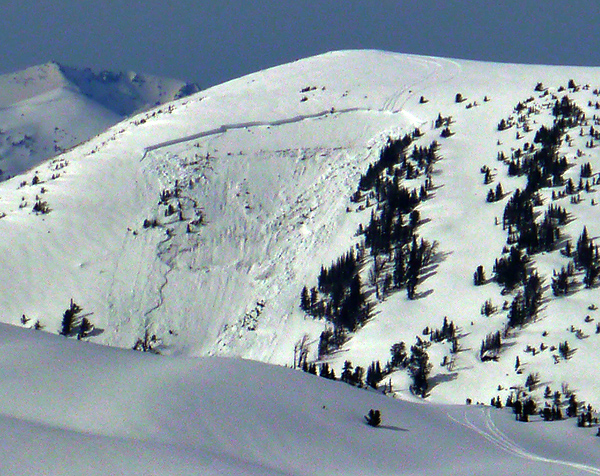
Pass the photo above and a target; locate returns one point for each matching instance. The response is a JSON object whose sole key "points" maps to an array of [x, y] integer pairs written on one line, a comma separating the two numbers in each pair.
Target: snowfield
{"points": [[71, 408], [200, 221]]}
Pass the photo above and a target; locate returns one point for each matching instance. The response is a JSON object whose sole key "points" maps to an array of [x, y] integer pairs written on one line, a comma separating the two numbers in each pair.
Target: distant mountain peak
{"points": [[58, 106]]}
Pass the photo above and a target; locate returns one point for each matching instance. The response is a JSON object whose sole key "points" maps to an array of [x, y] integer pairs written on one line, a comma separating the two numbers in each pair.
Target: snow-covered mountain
{"points": [[47, 109], [192, 229], [200, 222]]}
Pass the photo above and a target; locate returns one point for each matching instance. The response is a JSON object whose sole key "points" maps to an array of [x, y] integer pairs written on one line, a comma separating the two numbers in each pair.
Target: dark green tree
{"points": [[373, 418], [69, 318], [419, 368]]}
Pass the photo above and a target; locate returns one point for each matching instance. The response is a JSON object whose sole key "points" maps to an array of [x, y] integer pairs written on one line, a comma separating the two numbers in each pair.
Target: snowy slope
{"points": [[71, 408], [259, 173], [49, 108]]}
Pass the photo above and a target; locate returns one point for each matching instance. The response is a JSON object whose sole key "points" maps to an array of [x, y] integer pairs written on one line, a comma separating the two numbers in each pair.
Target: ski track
{"points": [[432, 79], [495, 436]]}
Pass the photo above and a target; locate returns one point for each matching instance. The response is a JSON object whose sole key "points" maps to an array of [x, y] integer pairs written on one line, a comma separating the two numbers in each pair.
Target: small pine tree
{"points": [[68, 321], [374, 374], [572, 409], [373, 418], [479, 276], [419, 368], [499, 192], [398, 353], [84, 328], [446, 132], [305, 300]]}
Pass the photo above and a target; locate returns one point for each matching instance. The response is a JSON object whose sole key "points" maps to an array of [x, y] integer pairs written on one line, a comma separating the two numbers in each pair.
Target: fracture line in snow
{"points": [[243, 125], [495, 436], [388, 106]]}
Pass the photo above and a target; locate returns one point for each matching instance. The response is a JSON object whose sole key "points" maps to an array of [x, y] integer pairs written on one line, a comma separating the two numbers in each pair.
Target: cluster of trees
{"points": [[352, 376], [398, 254], [374, 374], [339, 298], [504, 124], [447, 332], [543, 167], [417, 364], [495, 195], [522, 409], [392, 154], [526, 303], [419, 368], [568, 110], [41, 207], [511, 269], [585, 171], [322, 370], [551, 413], [390, 241], [535, 236], [490, 347], [147, 343], [442, 121], [562, 281], [565, 351], [587, 257], [523, 230], [331, 339]]}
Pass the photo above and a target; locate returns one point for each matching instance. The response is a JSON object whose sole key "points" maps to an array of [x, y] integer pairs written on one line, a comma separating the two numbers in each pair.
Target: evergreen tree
{"points": [[374, 374], [573, 408], [68, 320], [305, 300], [357, 376], [398, 352], [373, 418], [479, 276], [347, 372], [419, 368], [84, 328]]}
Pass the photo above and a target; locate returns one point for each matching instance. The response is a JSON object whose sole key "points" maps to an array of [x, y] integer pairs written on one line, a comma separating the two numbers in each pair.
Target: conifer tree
{"points": [[68, 321], [373, 418], [419, 368]]}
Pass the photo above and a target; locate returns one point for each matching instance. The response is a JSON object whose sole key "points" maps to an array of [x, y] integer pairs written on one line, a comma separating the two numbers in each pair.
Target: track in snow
{"points": [[495, 436]]}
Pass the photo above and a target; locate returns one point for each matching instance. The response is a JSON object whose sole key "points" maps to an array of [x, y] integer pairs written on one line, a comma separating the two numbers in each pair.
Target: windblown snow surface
{"points": [[264, 167]]}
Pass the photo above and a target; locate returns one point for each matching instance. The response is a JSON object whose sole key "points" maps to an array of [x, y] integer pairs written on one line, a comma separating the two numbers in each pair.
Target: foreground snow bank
{"points": [[71, 408]]}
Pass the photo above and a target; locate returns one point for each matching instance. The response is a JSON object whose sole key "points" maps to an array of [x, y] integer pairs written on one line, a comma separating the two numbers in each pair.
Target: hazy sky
{"points": [[212, 41]]}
